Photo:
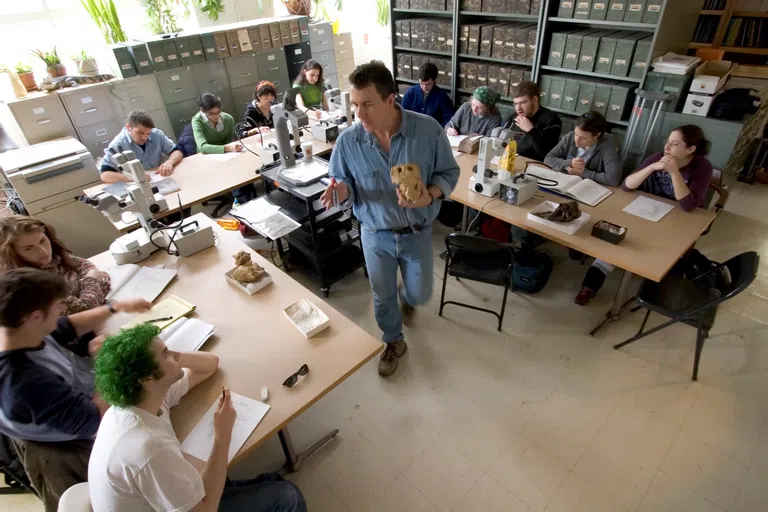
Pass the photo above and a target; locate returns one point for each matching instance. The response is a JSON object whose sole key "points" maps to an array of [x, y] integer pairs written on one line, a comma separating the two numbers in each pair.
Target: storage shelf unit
{"points": [[672, 32], [570, 113], [744, 54]]}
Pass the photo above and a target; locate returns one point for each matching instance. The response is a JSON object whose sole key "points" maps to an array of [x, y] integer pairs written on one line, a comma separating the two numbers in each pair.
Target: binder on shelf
{"points": [[634, 11], [652, 11], [599, 10], [616, 10]]}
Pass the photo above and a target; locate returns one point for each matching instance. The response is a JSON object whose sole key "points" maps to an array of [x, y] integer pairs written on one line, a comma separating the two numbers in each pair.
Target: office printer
{"points": [[49, 177]]}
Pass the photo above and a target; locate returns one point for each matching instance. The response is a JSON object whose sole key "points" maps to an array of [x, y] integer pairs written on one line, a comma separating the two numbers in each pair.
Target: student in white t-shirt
{"points": [[137, 464]]}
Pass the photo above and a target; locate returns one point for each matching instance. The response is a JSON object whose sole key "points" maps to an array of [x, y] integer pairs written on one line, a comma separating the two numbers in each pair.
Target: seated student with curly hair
{"points": [[137, 463]]}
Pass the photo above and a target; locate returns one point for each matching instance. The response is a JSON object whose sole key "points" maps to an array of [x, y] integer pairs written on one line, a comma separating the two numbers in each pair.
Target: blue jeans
{"points": [[265, 493], [385, 252]]}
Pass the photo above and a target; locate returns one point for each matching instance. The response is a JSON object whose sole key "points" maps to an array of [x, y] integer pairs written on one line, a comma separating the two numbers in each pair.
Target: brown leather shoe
{"points": [[584, 296], [391, 356], [406, 310]]}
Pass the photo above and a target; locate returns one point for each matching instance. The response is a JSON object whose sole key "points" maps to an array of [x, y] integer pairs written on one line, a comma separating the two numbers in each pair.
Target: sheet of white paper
{"points": [[275, 226], [589, 192], [148, 283], [187, 334], [455, 140], [120, 275], [222, 157], [648, 209], [249, 414], [456, 154], [256, 210]]}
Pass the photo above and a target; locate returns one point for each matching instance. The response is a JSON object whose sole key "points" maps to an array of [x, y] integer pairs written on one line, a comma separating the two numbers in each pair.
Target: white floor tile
{"points": [[488, 494], [668, 495]]}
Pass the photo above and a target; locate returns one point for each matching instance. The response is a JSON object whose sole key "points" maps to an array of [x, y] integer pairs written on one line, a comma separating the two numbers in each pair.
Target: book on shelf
{"points": [[583, 190]]}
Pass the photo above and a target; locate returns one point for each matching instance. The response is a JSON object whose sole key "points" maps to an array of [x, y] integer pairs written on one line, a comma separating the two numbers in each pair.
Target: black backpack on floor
{"points": [[531, 270]]}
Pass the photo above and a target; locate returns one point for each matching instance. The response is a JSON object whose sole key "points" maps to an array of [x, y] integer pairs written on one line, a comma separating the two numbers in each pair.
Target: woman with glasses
{"points": [[587, 152], [213, 129], [681, 172]]}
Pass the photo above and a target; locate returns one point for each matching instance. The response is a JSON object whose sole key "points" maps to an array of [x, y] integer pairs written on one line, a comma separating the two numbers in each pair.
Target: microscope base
{"points": [[135, 246]]}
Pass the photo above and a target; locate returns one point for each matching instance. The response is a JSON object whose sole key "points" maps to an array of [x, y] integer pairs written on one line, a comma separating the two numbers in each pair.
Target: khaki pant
{"points": [[52, 468]]}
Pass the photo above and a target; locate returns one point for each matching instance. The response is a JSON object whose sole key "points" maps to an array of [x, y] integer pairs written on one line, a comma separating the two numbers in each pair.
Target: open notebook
{"points": [[132, 281], [584, 191], [187, 334], [173, 307]]}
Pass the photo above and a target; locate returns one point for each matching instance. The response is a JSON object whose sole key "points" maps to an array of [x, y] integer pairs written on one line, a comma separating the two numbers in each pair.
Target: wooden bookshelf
{"points": [[726, 15]]}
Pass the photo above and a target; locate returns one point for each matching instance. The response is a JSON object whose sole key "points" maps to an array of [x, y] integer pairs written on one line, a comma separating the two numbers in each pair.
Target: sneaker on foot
{"points": [[584, 296], [406, 310], [391, 356]]}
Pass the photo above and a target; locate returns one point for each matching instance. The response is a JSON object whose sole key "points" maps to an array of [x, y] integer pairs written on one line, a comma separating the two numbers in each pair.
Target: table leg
{"points": [[618, 302], [465, 219], [293, 461]]}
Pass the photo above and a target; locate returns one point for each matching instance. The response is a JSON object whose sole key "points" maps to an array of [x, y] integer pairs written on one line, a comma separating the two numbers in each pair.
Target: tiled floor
{"points": [[543, 417]]}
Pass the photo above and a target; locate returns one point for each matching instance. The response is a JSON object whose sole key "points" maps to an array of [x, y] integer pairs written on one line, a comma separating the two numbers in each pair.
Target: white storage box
{"points": [[698, 104], [567, 227], [306, 317], [711, 76], [250, 288]]}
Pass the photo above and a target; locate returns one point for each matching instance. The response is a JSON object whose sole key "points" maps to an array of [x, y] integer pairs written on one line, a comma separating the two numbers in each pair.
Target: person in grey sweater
{"points": [[478, 115], [588, 152]]}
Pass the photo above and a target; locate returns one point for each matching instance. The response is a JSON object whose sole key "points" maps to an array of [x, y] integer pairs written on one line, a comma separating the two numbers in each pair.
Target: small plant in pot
{"points": [[52, 62], [86, 65], [26, 76]]}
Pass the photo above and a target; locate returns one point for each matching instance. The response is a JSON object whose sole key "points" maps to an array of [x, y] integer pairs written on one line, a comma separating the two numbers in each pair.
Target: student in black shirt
{"points": [[539, 127], [258, 116]]}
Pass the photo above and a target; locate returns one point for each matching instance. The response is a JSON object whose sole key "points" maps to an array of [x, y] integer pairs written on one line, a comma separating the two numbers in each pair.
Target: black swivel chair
{"points": [[692, 301], [478, 259]]}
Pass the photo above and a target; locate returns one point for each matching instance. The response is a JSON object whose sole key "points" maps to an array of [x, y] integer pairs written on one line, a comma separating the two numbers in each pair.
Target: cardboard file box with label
{"points": [[707, 80]]}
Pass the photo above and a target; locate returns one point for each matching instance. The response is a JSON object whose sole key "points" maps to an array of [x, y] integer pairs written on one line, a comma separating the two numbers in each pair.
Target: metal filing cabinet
{"points": [[140, 92], [320, 37], [272, 67], [295, 57], [162, 123], [190, 50], [241, 96], [180, 114], [176, 85], [97, 137], [212, 77], [328, 61], [88, 104], [42, 118], [343, 70], [242, 70], [345, 59]]}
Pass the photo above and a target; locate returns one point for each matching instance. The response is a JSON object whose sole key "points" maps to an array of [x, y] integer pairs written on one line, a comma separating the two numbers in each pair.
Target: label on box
{"points": [[582, 5], [556, 55], [143, 63], [635, 7], [510, 44], [126, 66], [185, 55], [39, 110], [321, 32], [570, 56], [554, 96], [604, 60], [617, 7], [620, 62], [640, 65], [86, 100], [270, 57], [599, 104], [569, 98], [586, 58], [172, 56], [485, 41], [305, 32], [101, 132], [585, 101], [598, 7], [567, 5], [615, 107], [492, 80], [654, 8], [198, 52], [158, 59], [471, 77], [175, 78], [521, 45], [297, 52]]}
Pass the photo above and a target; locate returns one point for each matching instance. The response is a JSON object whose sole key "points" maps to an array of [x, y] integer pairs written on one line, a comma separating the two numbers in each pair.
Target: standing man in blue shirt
{"points": [[396, 233], [152, 147], [428, 98]]}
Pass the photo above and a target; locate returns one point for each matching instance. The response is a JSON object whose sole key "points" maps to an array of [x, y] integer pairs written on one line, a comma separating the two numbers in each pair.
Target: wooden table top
{"points": [[257, 346], [649, 250]]}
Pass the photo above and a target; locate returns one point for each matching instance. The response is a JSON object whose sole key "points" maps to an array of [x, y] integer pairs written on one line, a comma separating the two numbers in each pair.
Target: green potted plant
{"points": [[26, 76], [86, 65], [104, 15], [52, 62]]}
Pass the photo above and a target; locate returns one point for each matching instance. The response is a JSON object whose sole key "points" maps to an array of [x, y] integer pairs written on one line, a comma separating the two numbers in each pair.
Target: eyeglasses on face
{"points": [[673, 143], [293, 379]]}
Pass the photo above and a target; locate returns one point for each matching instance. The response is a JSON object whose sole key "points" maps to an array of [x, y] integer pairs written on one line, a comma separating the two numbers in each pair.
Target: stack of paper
{"points": [[173, 307], [187, 334], [648, 209], [266, 218], [675, 64], [256, 210], [249, 414]]}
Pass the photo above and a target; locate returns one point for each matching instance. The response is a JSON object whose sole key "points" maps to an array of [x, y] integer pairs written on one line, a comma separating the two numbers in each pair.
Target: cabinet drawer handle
{"points": [[105, 142], [94, 109], [44, 121], [100, 132], [243, 74], [212, 81], [178, 89], [138, 98]]}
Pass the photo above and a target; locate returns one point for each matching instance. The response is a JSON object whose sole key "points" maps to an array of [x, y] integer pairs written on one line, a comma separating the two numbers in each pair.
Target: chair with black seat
{"points": [[693, 301], [478, 259]]}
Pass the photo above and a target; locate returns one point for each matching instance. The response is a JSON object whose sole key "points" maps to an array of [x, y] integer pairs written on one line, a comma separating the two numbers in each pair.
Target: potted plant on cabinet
{"points": [[52, 62], [86, 65], [26, 76]]}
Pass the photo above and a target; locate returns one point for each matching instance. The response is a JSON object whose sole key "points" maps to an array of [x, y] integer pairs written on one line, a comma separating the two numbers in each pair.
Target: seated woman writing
{"points": [[588, 152], [28, 242], [682, 172], [258, 114], [311, 85]]}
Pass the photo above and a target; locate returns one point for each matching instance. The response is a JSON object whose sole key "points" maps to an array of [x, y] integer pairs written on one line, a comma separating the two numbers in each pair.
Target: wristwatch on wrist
{"points": [[111, 306]]}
